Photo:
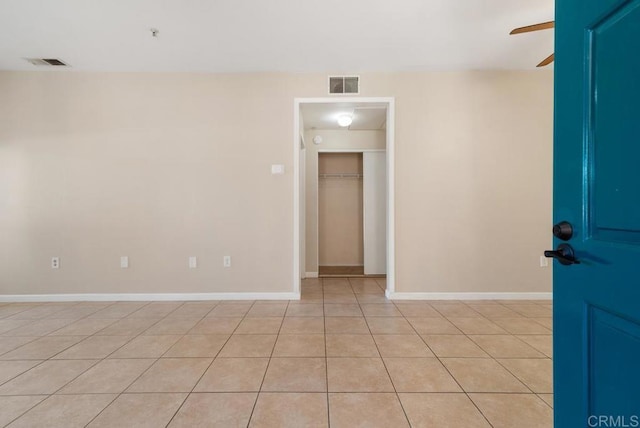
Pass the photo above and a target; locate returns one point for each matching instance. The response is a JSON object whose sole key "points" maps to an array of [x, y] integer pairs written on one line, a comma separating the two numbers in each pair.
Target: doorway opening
{"points": [[343, 189]]}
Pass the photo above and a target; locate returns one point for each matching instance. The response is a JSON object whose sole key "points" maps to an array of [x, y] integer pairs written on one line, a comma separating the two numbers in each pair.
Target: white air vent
{"points": [[344, 84], [47, 62]]}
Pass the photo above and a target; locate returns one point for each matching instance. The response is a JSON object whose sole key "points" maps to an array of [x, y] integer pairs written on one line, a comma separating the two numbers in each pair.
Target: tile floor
{"points": [[343, 356]]}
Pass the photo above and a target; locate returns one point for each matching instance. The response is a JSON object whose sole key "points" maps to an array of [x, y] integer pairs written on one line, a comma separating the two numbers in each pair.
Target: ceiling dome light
{"points": [[345, 120]]}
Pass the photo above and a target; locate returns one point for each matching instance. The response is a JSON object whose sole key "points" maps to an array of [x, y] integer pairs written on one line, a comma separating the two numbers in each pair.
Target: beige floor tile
{"points": [[93, 347], [514, 410], [547, 398], [351, 345], [505, 346], [296, 375], [14, 406], [290, 410], [128, 327], [39, 328], [433, 325], [146, 347], [371, 298], [139, 410], [302, 325], [477, 325], [494, 311], [366, 411], [420, 375], [482, 375], [39, 311], [389, 325], [43, 348], [532, 311], [171, 326], [233, 375], [442, 411], [259, 325], [536, 373], [249, 345], [417, 310], [305, 310], [233, 310], [342, 310], [108, 376], [267, 310], [155, 310], [216, 410], [402, 345], [367, 288], [545, 322], [11, 369], [10, 343], [65, 411], [216, 325], [300, 345], [311, 298], [198, 346], [338, 286], [457, 310], [118, 310], [85, 327], [46, 378], [357, 375], [346, 325], [171, 375], [521, 325], [343, 299], [380, 310], [453, 345], [193, 309], [542, 342]]}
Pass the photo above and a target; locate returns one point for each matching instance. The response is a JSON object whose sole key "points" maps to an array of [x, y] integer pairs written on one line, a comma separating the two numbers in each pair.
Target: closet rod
{"points": [[340, 175]]}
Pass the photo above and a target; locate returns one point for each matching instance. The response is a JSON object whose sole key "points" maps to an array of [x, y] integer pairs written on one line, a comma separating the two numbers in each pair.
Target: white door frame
{"points": [[390, 104]]}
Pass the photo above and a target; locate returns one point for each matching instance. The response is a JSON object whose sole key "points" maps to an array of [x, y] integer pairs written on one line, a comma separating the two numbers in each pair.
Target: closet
{"points": [[352, 213]]}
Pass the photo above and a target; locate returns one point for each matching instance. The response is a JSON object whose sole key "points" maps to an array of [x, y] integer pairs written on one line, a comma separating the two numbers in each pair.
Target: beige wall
{"points": [[331, 140], [340, 214], [163, 166]]}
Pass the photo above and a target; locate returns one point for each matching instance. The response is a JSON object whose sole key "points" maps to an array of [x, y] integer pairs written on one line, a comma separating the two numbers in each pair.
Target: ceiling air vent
{"points": [[344, 84], [47, 62]]}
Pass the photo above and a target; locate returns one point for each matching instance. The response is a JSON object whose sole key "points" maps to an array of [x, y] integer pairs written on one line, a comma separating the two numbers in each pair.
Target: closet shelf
{"points": [[340, 175]]}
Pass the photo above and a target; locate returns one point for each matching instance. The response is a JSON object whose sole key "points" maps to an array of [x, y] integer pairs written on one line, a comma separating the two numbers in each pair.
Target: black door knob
{"points": [[564, 254], [563, 230]]}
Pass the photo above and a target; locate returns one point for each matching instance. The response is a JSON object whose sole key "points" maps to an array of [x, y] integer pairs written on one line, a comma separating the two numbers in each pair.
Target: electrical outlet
{"points": [[55, 262], [193, 262], [226, 261], [124, 262], [544, 262]]}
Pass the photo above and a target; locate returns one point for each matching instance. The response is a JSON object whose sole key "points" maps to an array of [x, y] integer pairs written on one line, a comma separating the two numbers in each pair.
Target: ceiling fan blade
{"points": [[548, 60], [535, 27]]}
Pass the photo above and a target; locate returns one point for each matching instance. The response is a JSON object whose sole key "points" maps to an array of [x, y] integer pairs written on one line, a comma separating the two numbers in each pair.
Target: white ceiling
{"points": [[366, 116], [274, 35]]}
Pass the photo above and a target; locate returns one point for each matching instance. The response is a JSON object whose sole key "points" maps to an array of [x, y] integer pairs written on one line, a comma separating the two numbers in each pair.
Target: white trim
{"points": [[90, 297], [469, 296], [390, 149], [311, 274]]}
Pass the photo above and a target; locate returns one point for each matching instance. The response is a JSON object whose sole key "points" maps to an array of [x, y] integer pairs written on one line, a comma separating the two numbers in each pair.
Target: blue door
{"points": [[597, 194]]}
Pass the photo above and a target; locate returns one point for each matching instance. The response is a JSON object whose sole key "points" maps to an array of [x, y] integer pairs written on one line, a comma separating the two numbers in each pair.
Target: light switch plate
{"points": [[277, 169], [124, 262], [193, 262]]}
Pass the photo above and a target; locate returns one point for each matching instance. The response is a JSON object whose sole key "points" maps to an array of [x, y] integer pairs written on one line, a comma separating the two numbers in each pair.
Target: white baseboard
{"points": [[468, 296], [119, 297], [311, 274]]}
